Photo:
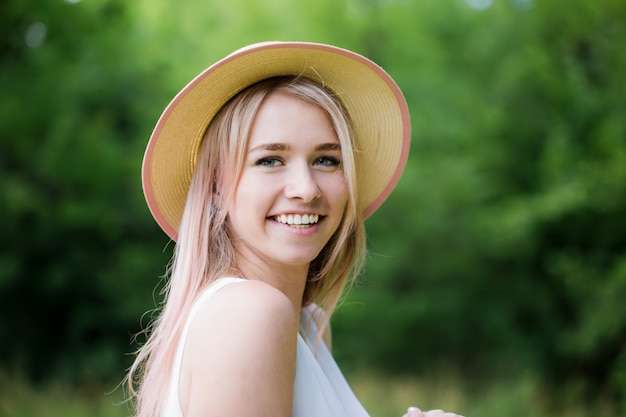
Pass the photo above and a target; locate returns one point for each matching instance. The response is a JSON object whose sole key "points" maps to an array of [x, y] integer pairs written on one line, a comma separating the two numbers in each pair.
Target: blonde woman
{"points": [[262, 169]]}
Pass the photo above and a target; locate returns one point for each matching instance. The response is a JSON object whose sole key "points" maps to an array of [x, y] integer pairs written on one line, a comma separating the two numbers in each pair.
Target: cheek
{"points": [[252, 197], [341, 190], [246, 191]]}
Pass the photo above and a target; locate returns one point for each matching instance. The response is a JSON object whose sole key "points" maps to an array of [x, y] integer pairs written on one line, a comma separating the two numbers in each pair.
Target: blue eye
{"points": [[328, 161], [269, 161]]}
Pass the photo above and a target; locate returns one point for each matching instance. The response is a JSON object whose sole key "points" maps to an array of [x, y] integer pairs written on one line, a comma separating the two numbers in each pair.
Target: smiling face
{"points": [[292, 192]]}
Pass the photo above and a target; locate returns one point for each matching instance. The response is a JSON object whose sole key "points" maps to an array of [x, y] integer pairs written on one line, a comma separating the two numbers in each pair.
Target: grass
{"points": [[381, 396], [18, 398], [525, 396]]}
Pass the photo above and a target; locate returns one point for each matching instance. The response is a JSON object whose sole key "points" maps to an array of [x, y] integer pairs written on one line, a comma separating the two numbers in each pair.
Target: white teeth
{"points": [[297, 219]]}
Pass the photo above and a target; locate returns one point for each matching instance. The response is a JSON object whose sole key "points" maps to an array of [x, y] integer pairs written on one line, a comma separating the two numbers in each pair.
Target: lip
{"points": [[296, 213], [301, 212]]}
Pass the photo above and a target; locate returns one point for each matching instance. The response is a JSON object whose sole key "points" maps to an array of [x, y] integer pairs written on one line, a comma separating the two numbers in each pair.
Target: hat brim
{"points": [[372, 99]]}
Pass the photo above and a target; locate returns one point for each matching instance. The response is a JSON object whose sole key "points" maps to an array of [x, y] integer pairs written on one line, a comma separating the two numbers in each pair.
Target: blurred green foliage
{"points": [[79, 252], [503, 248]]}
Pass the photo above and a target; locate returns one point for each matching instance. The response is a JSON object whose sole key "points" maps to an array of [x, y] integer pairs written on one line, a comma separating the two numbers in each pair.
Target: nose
{"points": [[302, 184]]}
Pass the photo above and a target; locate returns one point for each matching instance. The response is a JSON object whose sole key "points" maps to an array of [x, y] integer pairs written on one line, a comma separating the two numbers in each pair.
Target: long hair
{"points": [[205, 249]]}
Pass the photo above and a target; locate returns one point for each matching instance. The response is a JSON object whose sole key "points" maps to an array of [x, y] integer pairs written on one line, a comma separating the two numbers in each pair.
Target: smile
{"points": [[298, 220]]}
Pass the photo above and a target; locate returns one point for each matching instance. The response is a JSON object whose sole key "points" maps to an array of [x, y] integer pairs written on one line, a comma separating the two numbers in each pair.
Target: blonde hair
{"points": [[205, 250]]}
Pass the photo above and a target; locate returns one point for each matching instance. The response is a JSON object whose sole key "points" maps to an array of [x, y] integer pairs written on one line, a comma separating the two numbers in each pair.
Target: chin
{"points": [[299, 258]]}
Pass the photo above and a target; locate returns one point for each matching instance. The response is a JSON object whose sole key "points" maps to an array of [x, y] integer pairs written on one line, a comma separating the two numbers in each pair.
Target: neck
{"points": [[289, 279]]}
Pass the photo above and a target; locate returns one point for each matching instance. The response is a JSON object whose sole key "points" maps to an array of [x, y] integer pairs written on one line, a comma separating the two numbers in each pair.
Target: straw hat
{"points": [[372, 99]]}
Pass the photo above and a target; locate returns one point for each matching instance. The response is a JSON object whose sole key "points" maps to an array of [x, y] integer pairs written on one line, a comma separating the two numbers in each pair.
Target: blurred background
{"points": [[496, 281]]}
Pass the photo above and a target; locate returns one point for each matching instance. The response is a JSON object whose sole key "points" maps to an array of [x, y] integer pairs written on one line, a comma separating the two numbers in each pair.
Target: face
{"points": [[291, 195]]}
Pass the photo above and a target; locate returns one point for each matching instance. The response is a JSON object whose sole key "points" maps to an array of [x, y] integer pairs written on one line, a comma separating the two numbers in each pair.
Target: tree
{"points": [[77, 239], [508, 240]]}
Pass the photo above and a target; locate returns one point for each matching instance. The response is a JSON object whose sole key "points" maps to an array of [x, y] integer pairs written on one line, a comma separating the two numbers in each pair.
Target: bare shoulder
{"points": [[241, 344], [241, 312], [246, 297]]}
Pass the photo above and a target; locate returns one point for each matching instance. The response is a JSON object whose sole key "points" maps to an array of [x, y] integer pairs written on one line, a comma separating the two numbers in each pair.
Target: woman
{"points": [[263, 169]]}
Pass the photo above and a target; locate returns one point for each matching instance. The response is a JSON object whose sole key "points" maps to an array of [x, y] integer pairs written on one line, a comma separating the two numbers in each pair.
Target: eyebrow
{"points": [[285, 147]]}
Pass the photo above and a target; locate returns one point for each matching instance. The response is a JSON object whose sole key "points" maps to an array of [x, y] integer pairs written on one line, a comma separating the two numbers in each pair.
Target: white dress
{"points": [[320, 389]]}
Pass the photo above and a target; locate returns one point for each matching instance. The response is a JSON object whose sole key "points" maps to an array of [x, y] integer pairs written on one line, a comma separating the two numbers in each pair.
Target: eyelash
{"points": [[268, 161], [329, 161], [271, 161]]}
